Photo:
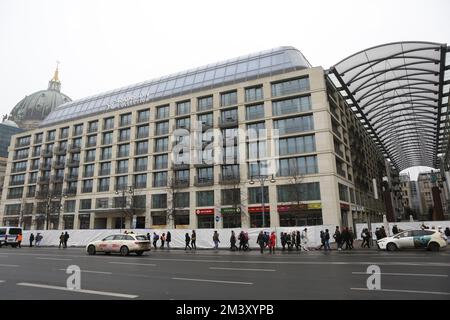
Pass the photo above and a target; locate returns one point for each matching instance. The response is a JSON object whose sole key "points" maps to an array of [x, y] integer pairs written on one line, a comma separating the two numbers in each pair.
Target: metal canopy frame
{"points": [[397, 92]]}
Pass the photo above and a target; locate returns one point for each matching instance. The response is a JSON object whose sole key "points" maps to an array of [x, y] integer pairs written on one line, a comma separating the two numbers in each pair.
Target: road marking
{"points": [[406, 274], [89, 271], [239, 269], [58, 259], [102, 293], [135, 264], [215, 281], [2, 281], [405, 291], [9, 265]]}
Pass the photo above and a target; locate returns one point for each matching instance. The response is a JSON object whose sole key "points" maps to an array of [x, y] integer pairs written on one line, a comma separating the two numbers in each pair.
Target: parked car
{"points": [[431, 240], [120, 243], [8, 236]]}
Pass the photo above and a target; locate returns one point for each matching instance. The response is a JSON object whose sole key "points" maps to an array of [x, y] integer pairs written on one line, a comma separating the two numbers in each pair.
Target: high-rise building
{"points": [[271, 142]]}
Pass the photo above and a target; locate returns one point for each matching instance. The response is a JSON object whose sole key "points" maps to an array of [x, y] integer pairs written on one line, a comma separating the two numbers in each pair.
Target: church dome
{"points": [[32, 109]]}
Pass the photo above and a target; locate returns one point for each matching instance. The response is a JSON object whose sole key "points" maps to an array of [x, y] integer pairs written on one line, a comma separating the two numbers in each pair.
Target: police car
{"points": [[120, 243], [8, 236], [428, 239]]}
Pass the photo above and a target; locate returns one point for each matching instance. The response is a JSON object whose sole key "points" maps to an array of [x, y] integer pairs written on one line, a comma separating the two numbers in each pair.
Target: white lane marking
{"points": [[9, 265], [135, 264], [58, 259], [239, 269], [89, 271], [405, 274], [102, 293], [215, 281], [2, 281], [405, 291]]}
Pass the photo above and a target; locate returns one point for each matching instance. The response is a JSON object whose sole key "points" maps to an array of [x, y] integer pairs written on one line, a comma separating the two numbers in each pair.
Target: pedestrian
{"points": [[293, 239], [155, 240], [19, 239], [272, 242], [39, 238], [168, 239], [383, 232], [31, 239], [327, 240], [394, 230], [351, 236], [338, 238], [241, 239], [148, 237], [283, 240], [66, 238], [61, 240], [322, 240], [193, 240], [260, 241], [163, 238], [378, 233], [216, 239], [188, 241], [305, 240], [447, 233], [266, 239], [344, 237], [288, 241], [363, 237], [298, 242], [233, 241]]}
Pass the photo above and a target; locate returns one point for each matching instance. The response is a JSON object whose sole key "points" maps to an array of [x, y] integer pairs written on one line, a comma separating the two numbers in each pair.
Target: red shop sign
{"points": [[204, 211], [258, 209]]}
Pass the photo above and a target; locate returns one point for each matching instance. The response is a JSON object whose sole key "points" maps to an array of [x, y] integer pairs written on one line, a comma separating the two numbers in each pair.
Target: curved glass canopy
{"points": [[261, 64], [400, 93]]}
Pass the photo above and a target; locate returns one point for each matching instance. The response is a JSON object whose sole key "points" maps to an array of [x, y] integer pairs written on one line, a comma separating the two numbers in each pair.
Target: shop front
{"points": [[256, 216], [231, 217], [205, 218], [303, 214]]}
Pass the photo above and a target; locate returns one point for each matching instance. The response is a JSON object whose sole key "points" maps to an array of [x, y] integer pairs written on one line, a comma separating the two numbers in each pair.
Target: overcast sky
{"points": [[103, 45]]}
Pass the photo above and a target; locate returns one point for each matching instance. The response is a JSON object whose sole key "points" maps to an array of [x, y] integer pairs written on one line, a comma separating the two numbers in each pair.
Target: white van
{"points": [[8, 235]]}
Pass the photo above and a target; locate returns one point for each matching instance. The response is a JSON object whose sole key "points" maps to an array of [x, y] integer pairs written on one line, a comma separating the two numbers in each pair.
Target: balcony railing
{"points": [[140, 168], [20, 156], [86, 189], [70, 192], [32, 181], [57, 178], [60, 150], [89, 159], [71, 177], [229, 179], [91, 144], [22, 144], [34, 167], [92, 129], [180, 166], [73, 163], [228, 122], [44, 180], [203, 181], [74, 148], [59, 164], [104, 172], [16, 182], [19, 169], [47, 153], [181, 183], [88, 174], [45, 166]]}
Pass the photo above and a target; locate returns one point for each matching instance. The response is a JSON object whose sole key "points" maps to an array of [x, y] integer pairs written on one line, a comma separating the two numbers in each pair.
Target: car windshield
{"points": [[141, 238], [108, 238]]}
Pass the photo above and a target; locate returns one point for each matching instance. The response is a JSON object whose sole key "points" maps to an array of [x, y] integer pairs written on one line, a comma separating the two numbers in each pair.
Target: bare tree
{"points": [[295, 191]]}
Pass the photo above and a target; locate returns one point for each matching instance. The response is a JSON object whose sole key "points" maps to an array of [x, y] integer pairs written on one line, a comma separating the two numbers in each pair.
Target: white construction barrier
{"points": [[80, 238], [407, 225]]}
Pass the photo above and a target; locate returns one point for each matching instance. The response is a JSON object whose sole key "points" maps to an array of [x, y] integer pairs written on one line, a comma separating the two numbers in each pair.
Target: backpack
{"points": [[156, 237]]}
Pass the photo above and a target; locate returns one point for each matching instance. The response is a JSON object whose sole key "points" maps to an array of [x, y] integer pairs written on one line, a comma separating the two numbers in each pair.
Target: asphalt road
{"points": [[40, 273]]}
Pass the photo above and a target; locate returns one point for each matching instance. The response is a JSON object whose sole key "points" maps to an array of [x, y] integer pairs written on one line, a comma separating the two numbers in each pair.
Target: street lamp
{"points": [[262, 179], [130, 190]]}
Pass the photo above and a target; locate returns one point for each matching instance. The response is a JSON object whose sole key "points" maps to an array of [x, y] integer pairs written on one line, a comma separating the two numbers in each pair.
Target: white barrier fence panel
{"points": [[81, 238], [401, 226]]}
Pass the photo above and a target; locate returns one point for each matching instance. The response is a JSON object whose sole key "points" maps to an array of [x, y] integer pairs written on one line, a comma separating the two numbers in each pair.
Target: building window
{"points": [[159, 218], [64, 133], [183, 123], [294, 105], [88, 171], [108, 123], [295, 145], [103, 184], [181, 200], [106, 153], [205, 198], [121, 182], [91, 141], [69, 206], [293, 125], [230, 115], [298, 192], [159, 201], [297, 166], [181, 217], [254, 93], [228, 98], [85, 221], [160, 179], [85, 204], [290, 86], [122, 166], [141, 147], [107, 138], [105, 169], [183, 108], [38, 137], [205, 221], [93, 126], [343, 192], [161, 161], [143, 115], [206, 119], [140, 164], [231, 197], [162, 128], [90, 156], [205, 103], [142, 132], [254, 195], [231, 220], [87, 186], [51, 135], [123, 150], [162, 112], [125, 119], [161, 144], [78, 130], [140, 181], [124, 134], [254, 112]]}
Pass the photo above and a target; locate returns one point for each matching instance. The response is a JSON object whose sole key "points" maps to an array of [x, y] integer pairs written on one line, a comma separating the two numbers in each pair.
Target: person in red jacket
{"points": [[272, 242]]}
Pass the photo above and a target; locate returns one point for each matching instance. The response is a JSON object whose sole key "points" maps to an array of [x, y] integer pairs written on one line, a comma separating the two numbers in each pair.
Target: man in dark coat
{"points": [[168, 239], [31, 239], [261, 241], [66, 238], [338, 238]]}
